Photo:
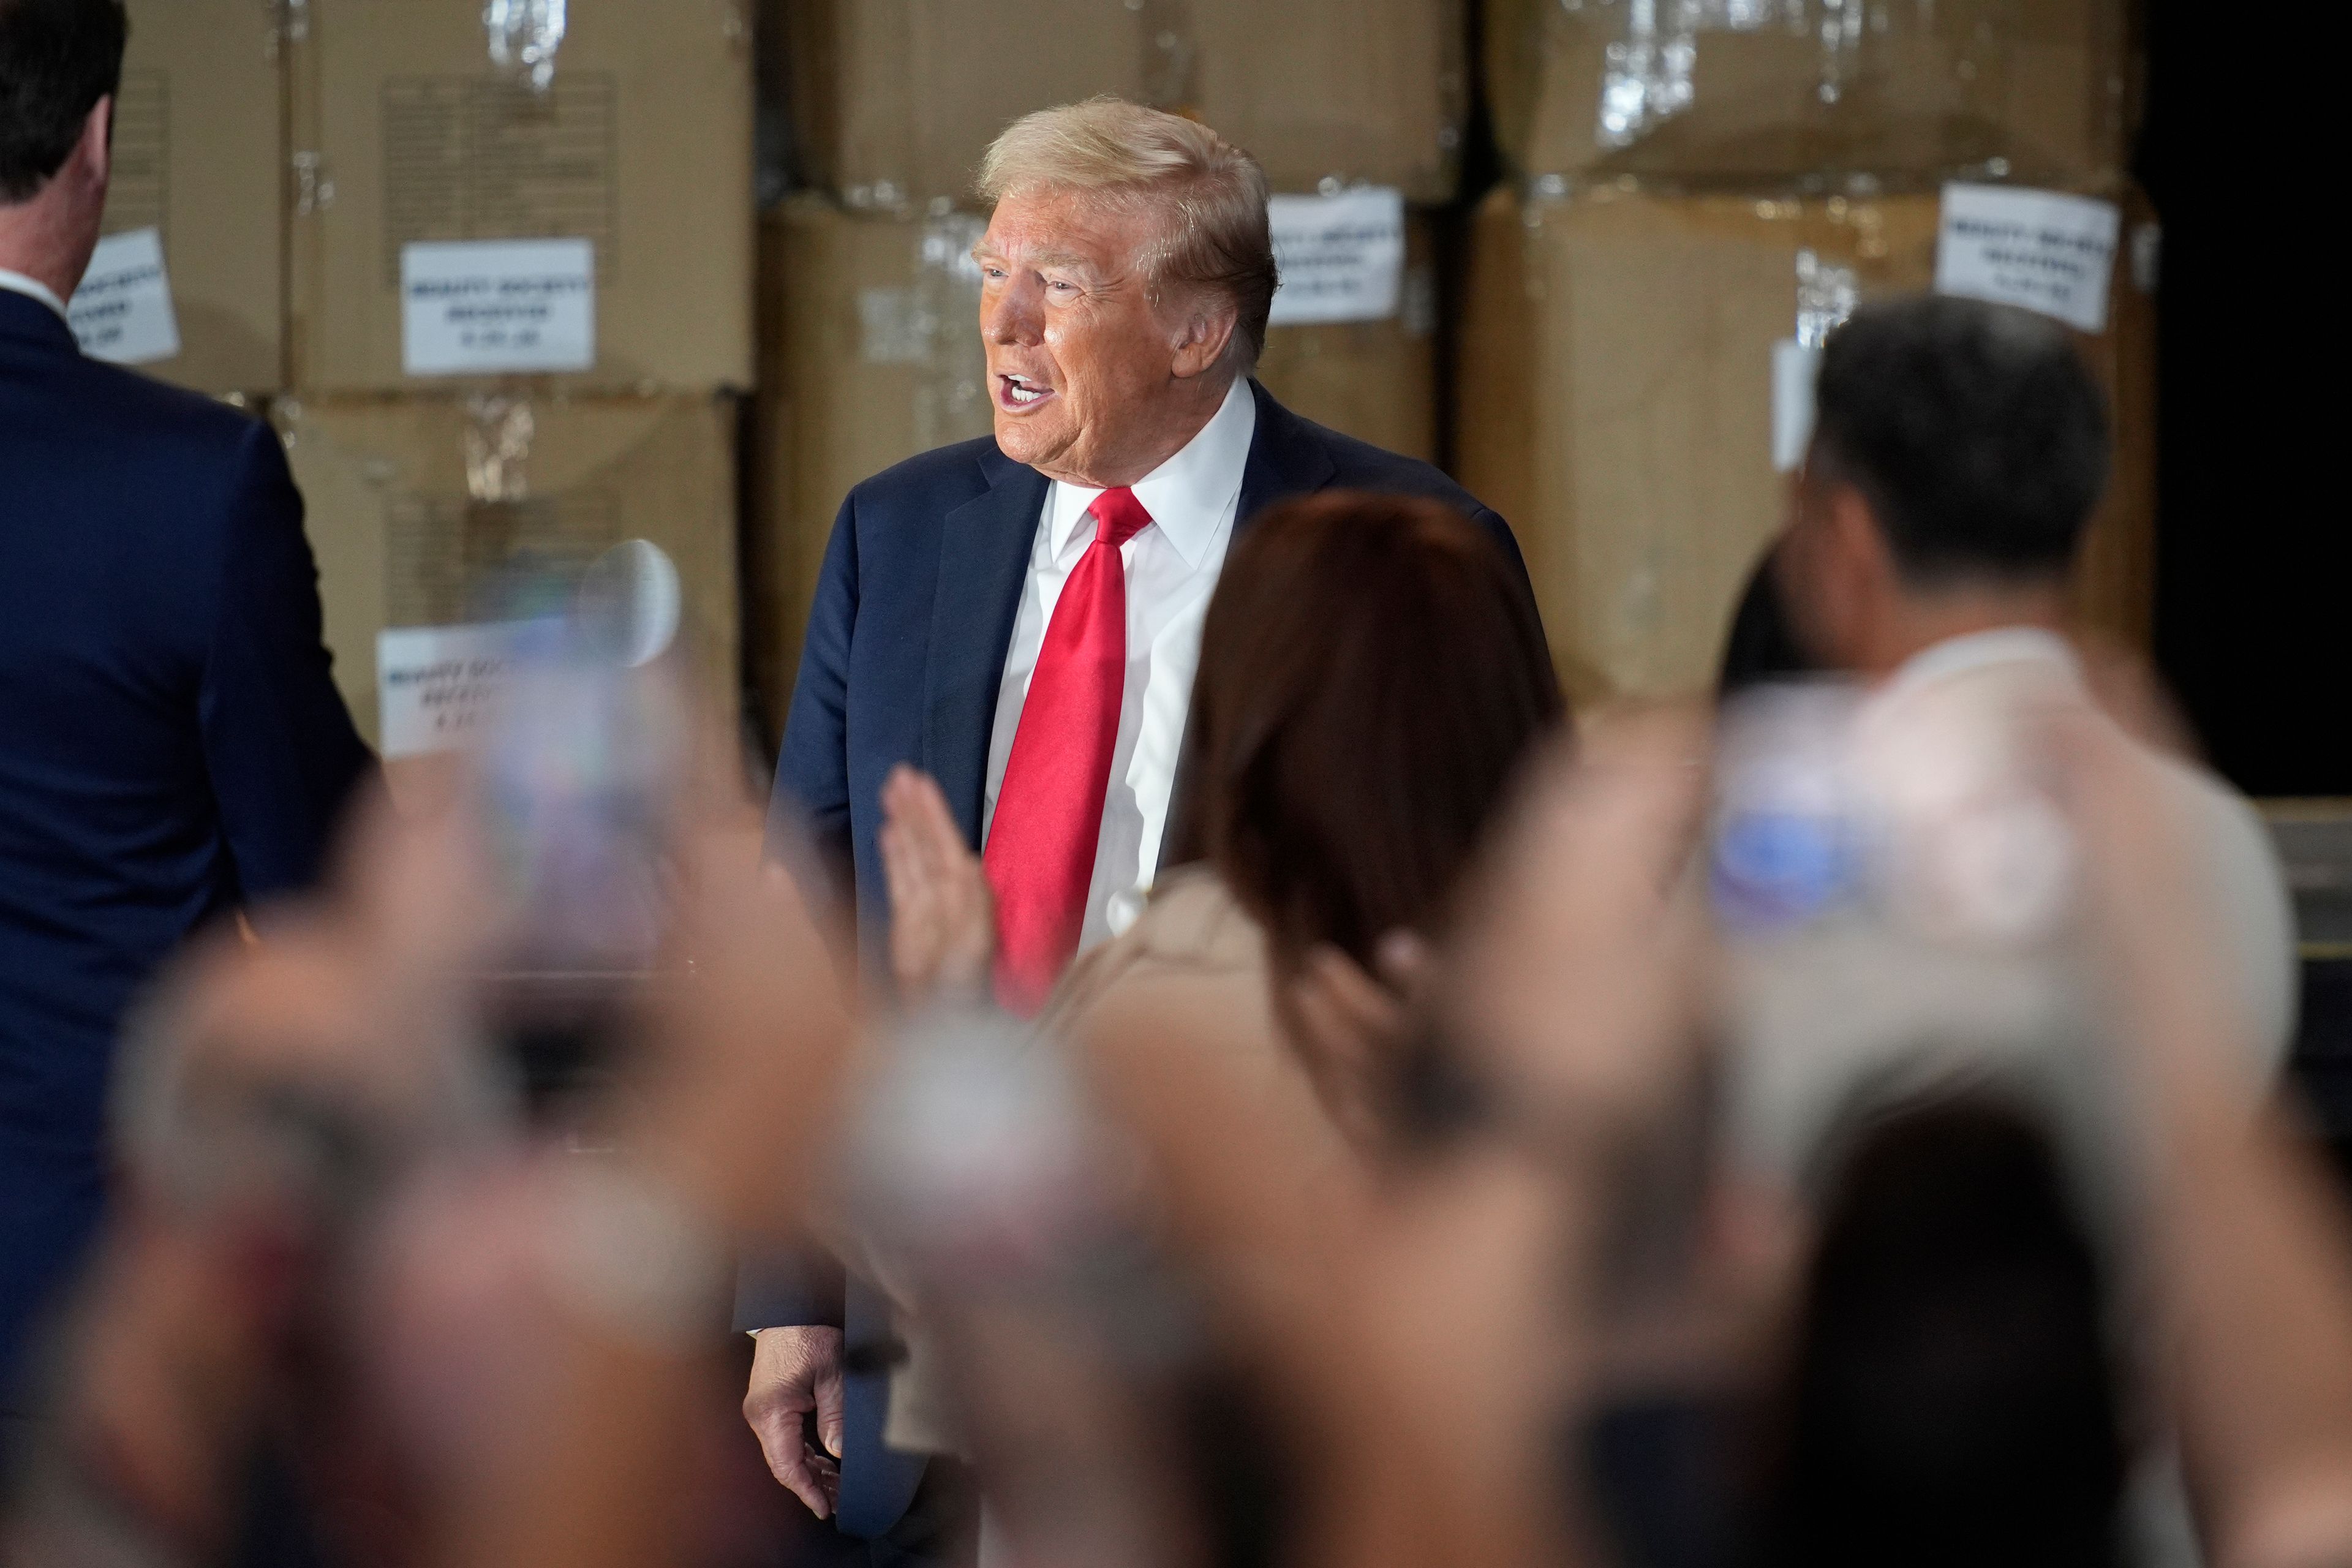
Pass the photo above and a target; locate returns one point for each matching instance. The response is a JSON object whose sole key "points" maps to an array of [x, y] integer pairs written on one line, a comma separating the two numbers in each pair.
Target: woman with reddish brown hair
{"points": [[1373, 675]]}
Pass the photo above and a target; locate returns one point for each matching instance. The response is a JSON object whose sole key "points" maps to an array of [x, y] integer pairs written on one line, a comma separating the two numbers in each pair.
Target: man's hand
{"points": [[794, 1372], [943, 914]]}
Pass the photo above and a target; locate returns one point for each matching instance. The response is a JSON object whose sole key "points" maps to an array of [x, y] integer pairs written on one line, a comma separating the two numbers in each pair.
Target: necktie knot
{"points": [[1118, 517]]}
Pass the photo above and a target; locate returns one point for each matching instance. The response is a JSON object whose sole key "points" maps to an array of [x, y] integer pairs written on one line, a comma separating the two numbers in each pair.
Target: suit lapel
{"points": [[1285, 461], [984, 550]]}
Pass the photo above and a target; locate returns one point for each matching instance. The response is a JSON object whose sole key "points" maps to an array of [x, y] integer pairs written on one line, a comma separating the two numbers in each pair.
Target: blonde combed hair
{"points": [[1210, 195]]}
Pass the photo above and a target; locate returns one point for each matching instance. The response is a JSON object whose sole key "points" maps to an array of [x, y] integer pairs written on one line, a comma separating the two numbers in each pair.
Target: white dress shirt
{"points": [[1172, 570], [17, 283]]}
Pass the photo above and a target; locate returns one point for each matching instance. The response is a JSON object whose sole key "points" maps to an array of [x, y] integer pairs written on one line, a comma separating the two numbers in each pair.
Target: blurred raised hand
{"points": [[1431, 1333], [942, 913]]}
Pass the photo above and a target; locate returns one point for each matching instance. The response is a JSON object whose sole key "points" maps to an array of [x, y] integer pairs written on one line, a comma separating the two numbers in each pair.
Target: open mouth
{"points": [[1018, 392]]}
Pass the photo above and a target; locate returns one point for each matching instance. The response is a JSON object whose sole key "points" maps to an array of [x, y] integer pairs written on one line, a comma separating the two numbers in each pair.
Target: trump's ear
{"points": [[1207, 330]]}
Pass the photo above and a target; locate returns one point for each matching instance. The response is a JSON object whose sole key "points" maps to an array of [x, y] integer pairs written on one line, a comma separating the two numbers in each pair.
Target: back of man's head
{"points": [[1974, 431], [58, 59]]}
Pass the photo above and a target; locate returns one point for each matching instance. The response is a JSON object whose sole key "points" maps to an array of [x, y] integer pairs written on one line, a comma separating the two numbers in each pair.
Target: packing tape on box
{"points": [[526, 36], [1647, 70], [1749, 88], [499, 429], [1827, 294], [1171, 54], [927, 326]]}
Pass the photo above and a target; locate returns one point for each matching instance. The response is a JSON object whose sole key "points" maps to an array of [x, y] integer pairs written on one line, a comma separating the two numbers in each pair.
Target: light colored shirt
{"points": [[1172, 569], [32, 288], [1981, 651], [2242, 878]]}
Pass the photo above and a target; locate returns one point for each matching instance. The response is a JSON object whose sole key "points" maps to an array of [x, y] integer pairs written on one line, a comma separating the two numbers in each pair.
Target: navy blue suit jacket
{"points": [[905, 650], [171, 744]]}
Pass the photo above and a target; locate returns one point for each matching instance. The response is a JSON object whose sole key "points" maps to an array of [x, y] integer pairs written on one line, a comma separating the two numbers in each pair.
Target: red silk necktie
{"points": [[1040, 844]]}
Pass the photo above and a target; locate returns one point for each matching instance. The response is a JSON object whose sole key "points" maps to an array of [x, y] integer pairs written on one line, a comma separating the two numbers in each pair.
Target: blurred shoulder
{"points": [[2247, 886], [1193, 940], [147, 420]]}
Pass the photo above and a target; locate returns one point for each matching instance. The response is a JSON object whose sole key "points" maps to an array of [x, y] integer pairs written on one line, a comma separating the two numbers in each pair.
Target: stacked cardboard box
{"points": [[423, 509], [1618, 405], [520, 301], [2032, 89], [1707, 190], [869, 306], [895, 100], [870, 352]]}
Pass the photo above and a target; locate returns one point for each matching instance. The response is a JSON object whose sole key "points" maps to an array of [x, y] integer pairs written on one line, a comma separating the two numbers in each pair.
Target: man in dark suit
{"points": [[1020, 618], [171, 744]]}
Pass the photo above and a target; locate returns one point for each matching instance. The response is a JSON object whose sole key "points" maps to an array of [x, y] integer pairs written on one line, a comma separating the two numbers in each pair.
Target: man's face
{"points": [[1081, 365]]}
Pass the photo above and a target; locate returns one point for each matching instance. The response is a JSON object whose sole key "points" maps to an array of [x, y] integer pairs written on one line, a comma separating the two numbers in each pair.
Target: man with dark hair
{"points": [[1959, 451], [171, 745]]}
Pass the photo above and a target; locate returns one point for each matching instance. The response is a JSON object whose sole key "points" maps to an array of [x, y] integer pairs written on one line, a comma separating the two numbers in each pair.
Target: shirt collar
{"points": [[1976, 650], [1189, 494], [33, 288]]}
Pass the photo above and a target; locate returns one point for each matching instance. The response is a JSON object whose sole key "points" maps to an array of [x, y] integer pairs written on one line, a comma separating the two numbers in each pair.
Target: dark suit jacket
{"points": [[171, 745], [905, 650]]}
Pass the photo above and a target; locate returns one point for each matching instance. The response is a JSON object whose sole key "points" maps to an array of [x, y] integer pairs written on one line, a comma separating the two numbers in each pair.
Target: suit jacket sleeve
{"points": [[812, 797], [279, 747], [810, 812], [1488, 519]]}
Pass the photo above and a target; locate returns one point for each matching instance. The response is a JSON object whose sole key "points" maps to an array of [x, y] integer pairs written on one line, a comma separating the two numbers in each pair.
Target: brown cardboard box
{"points": [[870, 353], [1617, 408], [1376, 381], [896, 100], [394, 490], [199, 155], [2032, 90], [641, 143]]}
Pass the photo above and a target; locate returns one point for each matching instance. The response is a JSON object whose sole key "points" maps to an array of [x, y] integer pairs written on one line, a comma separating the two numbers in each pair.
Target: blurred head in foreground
{"points": [[1126, 278], [1373, 675], [1954, 1398], [1959, 451]]}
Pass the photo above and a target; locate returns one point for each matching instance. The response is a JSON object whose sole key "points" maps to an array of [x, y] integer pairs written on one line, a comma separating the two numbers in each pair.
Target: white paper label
{"points": [[1796, 367], [2044, 251], [123, 311], [437, 687], [475, 307], [1342, 258]]}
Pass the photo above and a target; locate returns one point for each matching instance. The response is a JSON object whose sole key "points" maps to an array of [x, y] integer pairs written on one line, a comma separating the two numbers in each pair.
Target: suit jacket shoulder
{"points": [[1360, 465], [930, 483]]}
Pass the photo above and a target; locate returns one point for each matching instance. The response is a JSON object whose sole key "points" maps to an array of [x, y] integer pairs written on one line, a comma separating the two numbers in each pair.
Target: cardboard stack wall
{"points": [[1618, 405], [1696, 185], [532, 411]]}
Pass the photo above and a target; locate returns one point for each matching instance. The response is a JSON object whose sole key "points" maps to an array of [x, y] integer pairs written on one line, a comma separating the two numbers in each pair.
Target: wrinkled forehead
{"points": [[1108, 232]]}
